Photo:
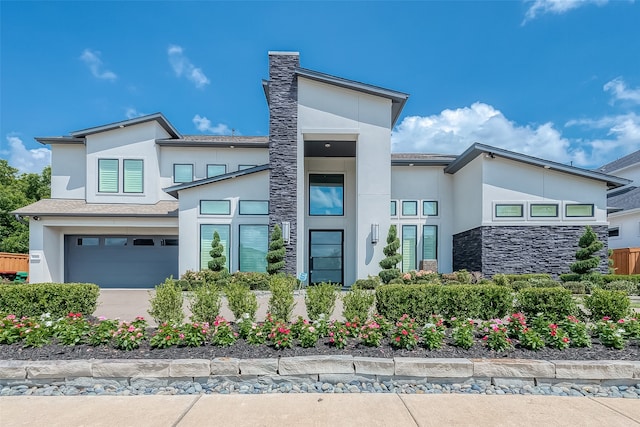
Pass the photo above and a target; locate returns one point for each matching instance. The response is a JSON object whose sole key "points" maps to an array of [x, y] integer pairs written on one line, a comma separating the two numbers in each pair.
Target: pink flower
{"points": [[565, 339], [181, 336], [397, 339]]}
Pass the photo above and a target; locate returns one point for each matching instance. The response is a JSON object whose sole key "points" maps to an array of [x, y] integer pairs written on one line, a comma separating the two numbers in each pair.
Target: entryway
{"points": [[326, 261]]}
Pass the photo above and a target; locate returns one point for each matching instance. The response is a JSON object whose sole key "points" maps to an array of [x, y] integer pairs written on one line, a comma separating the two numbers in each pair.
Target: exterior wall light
{"points": [[286, 232], [375, 233]]}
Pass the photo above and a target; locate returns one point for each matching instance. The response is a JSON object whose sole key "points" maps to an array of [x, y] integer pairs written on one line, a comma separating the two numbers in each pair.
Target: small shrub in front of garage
{"points": [[281, 302], [58, 299], [166, 304], [241, 301], [556, 303], [320, 300], [205, 303]]}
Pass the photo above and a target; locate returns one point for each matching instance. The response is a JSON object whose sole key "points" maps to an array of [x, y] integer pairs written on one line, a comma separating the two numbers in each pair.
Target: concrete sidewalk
{"points": [[318, 410]]}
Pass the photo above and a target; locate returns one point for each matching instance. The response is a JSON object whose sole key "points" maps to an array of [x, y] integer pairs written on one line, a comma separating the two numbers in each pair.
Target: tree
{"points": [[218, 260], [17, 191], [586, 259], [277, 251], [388, 264]]}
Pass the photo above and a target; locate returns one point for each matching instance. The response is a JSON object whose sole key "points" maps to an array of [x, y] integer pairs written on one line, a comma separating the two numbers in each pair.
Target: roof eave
{"points": [[405, 162], [48, 140], [225, 144], [158, 117]]}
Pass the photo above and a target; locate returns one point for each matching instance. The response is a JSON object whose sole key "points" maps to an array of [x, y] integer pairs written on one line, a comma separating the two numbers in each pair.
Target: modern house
{"points": [[624, 203], [136, 201]]}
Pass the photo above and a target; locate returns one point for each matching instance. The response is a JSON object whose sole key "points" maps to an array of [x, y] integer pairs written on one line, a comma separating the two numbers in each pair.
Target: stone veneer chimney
{"points": [[283, 146]]}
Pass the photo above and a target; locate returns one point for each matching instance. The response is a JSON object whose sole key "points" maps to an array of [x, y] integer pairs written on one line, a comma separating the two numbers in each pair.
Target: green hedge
{"points": [[555, 303], [464, 301], [606, 278], [58, 299], [614, 304], [507, 279]]}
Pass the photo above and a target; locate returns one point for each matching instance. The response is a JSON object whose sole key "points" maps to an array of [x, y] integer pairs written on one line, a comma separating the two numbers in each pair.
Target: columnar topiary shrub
{"points": [[218, 259], [586, 260], [277, 251], [166, 304], [321, 300], [281, 302], [241, 300], [388, 264], [205, 303]]}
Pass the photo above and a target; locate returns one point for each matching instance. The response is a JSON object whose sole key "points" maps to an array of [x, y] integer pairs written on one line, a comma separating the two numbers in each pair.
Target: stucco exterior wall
{"points": [[68, 171], [628, 224], [467, 197]]}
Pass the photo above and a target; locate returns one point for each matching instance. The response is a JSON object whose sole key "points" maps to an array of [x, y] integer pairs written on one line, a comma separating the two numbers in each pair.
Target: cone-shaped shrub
{"points": [[218, 260], [589, 245], [275, 256], [388, 264]]}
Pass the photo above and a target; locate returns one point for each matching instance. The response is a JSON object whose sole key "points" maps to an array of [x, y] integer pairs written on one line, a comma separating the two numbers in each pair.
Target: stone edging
{"points": [[332, 369]]}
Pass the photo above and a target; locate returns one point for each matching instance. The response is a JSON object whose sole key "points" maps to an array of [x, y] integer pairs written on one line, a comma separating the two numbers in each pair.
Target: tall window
{"points": [[215, 170], [326, 194], [206, 238], [108, 175], [409, 243], [394, 208], [254, 243], [133, 176], [182, 173], [430, 242]]}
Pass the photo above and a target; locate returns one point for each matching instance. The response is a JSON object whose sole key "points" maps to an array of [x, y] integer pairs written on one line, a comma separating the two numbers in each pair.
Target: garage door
{"points": [[120, 261]]}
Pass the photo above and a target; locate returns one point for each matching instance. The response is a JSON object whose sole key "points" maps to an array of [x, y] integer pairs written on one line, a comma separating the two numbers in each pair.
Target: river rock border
{"points": [[330, 369]]}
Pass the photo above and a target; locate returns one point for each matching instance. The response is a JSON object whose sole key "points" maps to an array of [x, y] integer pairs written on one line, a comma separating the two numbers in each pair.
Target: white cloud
{"points": [[26, 161], [204, 125], [92, 59], [622, 136], [132, 113], [182, 66], [619, 91], [556, 7], [453, 131]]}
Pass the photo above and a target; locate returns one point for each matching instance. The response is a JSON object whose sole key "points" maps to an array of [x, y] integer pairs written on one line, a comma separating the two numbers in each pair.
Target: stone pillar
{"points": [[283, 146]]}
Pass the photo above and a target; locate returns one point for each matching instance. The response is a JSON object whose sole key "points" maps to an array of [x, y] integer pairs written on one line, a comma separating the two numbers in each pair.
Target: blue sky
{"points": [[558, 79]]}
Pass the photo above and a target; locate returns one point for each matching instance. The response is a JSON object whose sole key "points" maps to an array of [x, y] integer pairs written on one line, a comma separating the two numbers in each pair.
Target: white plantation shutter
{"points": [[254, 243], [409, 241], [108, 175], [182, 173], [133, 177], [206, 238], [429, 242]]}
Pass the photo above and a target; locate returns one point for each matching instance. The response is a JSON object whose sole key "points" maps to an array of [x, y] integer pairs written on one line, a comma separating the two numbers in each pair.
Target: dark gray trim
{"points": [[59, 140], [173, 190], [102, 215], [265, 88], [225, 144], [477, 149], [418, 162], [398, 99], [158, 117]]}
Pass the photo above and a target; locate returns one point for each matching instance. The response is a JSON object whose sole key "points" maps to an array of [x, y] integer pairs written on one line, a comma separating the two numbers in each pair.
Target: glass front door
{"points": [[325, 256]]}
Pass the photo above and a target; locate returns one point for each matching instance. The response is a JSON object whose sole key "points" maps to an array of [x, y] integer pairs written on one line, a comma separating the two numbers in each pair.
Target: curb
{"points": [[318, 368]]}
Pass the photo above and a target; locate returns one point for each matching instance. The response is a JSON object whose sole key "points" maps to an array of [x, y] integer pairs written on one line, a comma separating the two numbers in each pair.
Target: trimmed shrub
{"points": [[576, 288], [555, 303], [218, 260], [505, 279], [205, 303], [192, 279], [320, 300], [281, 302], [357, 304], [389, 264], [635, 278], [601, 303], [277, 251], [166, 304], [627, 286], [241, 301], [255, 281], [418, 301], [58, 299], [570, 277], [587, 260], [371, 282]]}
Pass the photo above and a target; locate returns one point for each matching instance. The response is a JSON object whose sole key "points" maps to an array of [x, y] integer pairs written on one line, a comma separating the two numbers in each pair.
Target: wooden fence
{"points": [[626, 260], [14, 262]]}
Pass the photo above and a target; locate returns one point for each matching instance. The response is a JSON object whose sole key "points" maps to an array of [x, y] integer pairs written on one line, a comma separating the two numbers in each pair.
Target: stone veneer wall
{"points": [[522, 249], [283, 144]]}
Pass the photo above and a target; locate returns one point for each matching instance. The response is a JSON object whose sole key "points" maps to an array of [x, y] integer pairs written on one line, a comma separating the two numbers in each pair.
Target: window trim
{"points": [[124, 177], [182, 164], [228, 202], [395, 205], [214, 164], [437, 208], [343, 175], [543, 217], [117, 175], [402, 202], [240, 245], [252, 214], [614, 229], [497, 205], [424, 226], [566, 210]]}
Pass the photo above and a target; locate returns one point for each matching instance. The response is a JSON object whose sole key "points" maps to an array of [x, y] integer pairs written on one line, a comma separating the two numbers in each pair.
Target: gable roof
{"points": [[477, 149], [158, 117], [621, 163], [232, 141], [398, 99], [176, 188]]}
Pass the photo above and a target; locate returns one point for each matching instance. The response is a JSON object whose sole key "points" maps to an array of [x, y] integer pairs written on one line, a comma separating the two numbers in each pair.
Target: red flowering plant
{"points": [[433, 333], [165, 336], [222, 333], [297, 325], [371, 334], [496, 336], [463, 332], [531, 339], [193, 334], [129, 335], [353, 327], [257, 334], [385, 325], [308, 335], [338, 334], [556, 337], [71, 329], [101, 332], [516, 323], [577, 331], [9, 329], [610, 333], [280, 336], [631, 328], [404, 333]]}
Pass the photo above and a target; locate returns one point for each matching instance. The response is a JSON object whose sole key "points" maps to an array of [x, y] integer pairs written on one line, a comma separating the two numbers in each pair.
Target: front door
{"points": [[326, 256]]}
